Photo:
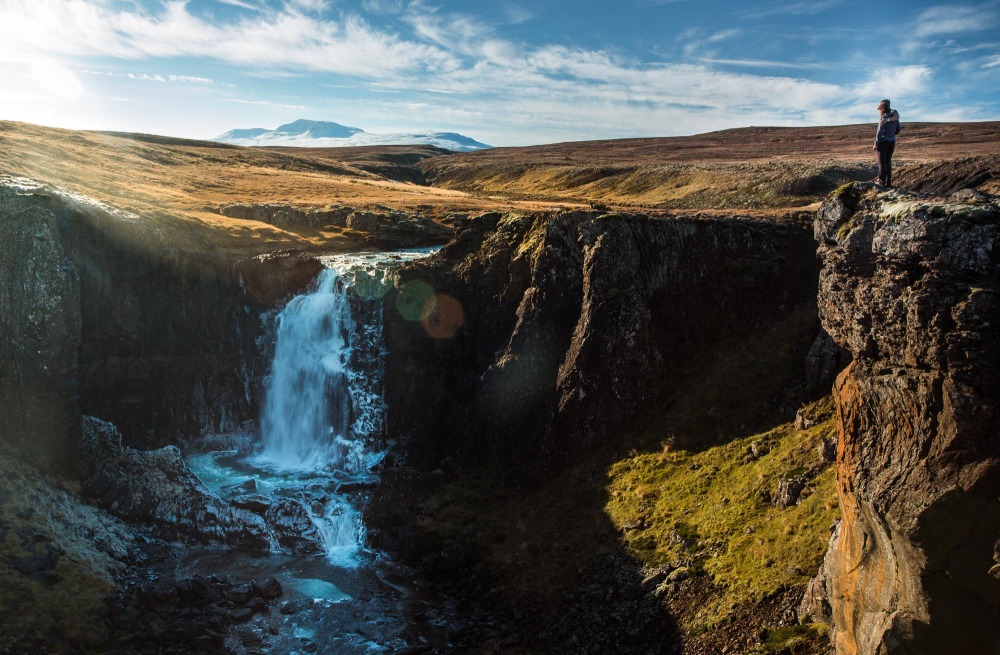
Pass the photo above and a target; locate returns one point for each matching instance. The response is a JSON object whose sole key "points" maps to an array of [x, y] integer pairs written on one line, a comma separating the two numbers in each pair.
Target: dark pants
{"points": [[885, 149]]}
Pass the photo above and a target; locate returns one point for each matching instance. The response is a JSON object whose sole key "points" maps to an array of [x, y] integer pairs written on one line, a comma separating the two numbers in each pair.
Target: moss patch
{"points": [[711, 511]]}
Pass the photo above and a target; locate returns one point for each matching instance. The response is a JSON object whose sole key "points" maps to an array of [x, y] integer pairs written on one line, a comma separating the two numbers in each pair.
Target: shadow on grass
{"points": [[599, 558]]}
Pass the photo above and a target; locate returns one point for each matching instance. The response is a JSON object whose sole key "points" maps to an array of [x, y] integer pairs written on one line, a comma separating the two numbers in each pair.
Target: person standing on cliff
{"points": [[885, 141]]}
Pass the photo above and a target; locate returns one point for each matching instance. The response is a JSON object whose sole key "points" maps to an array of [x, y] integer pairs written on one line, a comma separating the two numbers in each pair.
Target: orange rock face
{"points": [[909, 287]]}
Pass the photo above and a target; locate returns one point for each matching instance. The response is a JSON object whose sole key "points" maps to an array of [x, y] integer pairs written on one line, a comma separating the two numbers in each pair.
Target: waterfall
{"points": [[307, 412], [323, 408], [319, 410]]}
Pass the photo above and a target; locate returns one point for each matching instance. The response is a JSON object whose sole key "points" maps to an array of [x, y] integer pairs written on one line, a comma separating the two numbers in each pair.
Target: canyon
{"points": [[658, 396]]}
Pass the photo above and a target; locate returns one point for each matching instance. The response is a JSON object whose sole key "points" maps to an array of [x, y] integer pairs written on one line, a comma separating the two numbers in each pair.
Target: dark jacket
{"points": [[887, 126]]}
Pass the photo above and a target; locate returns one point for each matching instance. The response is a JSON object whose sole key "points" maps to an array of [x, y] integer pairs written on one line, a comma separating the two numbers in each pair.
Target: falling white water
{"points": [[307, 412], [323, 408]]}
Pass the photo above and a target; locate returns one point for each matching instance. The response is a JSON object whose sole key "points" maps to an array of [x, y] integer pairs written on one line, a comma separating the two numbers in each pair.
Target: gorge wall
{"points": [[909, 286], [541, 335], [104, 316]]}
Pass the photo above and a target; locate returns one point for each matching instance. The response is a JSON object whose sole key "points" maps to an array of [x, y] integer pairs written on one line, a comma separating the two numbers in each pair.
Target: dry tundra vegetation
{"points": [[691, 487]]}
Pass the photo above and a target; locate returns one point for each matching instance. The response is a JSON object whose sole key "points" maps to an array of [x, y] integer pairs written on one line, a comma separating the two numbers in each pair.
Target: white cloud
{"points": [[902, 82], [457, 69], [284, 39], [992, 62]]}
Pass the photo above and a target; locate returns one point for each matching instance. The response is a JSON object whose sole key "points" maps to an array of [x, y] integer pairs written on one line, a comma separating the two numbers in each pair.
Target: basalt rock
{"points": [[157, 487], [909, 286], [569, 325]]}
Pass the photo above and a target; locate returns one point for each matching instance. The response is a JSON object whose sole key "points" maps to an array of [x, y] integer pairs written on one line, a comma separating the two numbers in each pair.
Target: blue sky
{"points": [[507, 72]]}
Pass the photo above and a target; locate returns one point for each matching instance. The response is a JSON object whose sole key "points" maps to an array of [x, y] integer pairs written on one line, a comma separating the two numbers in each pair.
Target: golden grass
{"points": [[177, 185]]}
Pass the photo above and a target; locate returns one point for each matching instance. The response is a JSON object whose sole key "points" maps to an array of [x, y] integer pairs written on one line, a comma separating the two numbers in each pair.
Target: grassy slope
{"points": [[670, 475], [748, 168], [176, 185]]}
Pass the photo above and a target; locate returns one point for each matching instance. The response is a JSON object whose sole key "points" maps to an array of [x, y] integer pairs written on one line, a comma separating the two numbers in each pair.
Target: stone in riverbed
{"points": [[293, 527], [269, 588]]}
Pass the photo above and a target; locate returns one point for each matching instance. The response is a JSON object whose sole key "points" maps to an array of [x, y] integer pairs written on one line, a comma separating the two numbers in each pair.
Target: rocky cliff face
{"points": [[40, 323], [909, 286], [542, 334], [106, 317]]}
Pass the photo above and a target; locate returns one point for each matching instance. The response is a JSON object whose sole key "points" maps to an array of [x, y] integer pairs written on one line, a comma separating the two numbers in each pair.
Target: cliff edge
{"points": [[909, 287]]}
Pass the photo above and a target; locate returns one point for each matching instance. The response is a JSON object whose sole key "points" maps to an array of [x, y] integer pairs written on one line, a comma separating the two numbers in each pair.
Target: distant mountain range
{"points": [[325, 134]]}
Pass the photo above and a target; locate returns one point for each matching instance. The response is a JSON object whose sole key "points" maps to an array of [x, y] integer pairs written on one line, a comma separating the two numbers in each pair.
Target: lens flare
{"points": [[443, 316], [413, 299]]}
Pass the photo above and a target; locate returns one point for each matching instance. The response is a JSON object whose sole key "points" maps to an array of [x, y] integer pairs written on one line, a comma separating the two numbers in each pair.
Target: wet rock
{"points": [[293, 527], [157, 487], [268, 589], [256, 503], [192, 616], [289, 607], [241, 614], [240, 594], [241, 488], [908, 286]]}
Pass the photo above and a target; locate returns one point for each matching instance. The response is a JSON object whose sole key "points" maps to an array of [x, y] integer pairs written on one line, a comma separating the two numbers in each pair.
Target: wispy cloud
{"points": [[795, 8], [244, 4], [955, 19], [155, 77], [517, 14], [765, 63], [264, 103]]}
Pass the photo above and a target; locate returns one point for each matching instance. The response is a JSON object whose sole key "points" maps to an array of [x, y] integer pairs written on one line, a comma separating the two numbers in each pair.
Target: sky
{"points": [[505, 72]]}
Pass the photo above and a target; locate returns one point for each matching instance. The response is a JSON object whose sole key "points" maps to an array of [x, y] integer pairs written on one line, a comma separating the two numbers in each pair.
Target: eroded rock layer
{"points": [[909, 286]]}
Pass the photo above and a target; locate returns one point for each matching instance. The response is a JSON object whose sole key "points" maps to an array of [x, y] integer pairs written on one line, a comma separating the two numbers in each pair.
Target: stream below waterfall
{"points": [[321, 434]]}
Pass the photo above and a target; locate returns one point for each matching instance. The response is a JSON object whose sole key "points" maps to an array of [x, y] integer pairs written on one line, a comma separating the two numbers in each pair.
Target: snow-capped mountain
{"points": [[325, 134]]}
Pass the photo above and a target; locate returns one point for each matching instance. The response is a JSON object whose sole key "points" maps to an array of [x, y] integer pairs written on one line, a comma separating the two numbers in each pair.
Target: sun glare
{"points": [[56, 78]]}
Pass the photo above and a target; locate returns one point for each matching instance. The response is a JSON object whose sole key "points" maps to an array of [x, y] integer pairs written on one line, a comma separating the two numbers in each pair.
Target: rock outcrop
{"points": [[382, 229], [104, 315], [40, 323], [156, 487], [544, 334], [909, 286]]}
